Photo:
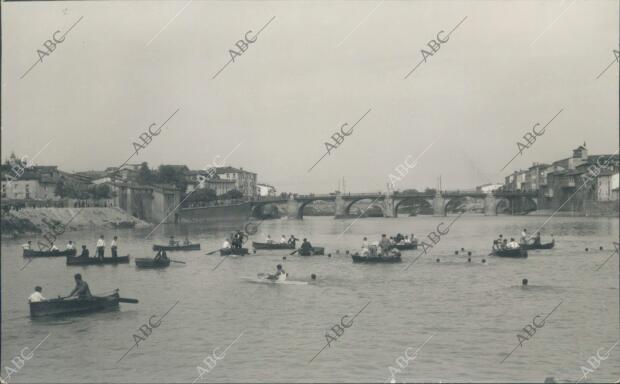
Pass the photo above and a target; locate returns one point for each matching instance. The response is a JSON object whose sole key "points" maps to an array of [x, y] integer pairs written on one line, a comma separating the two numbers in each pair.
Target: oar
{"points": [[126, 300], [294, 252], [212, 252], [176, 261]]}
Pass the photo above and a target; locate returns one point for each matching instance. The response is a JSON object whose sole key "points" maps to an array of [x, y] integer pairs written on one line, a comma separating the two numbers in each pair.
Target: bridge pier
{"points": [[341, 207], [292, 209], [490, 205], [439, 206], [388, 206]]}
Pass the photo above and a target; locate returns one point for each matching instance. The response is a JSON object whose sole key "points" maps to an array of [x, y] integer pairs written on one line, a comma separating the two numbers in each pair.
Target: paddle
{"points": [[126, 300], [212, 252], [176, 261], [294, 252]]}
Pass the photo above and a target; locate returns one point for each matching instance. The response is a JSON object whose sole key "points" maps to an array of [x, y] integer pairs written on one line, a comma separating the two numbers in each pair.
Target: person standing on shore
{"points": [[100, 247], [114, 247]]}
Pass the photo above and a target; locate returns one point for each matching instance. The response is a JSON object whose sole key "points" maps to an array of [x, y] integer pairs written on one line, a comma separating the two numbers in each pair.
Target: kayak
{"points": [[258, 280], [313, 252], [538, 246], [256, 245], [143, 262], [190, 247], [64, 306], [97, 261], [33, 253], [405, 246], [518, 252], [233, 251], [376, 259]]}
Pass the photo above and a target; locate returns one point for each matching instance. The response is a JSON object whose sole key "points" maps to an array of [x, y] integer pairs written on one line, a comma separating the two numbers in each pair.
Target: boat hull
{"points": [[538, 246], [515, 253], [97, 261], [143, 262], [33, 253], [256, 245], [405, 247], [376, 260], [57, 307], [234, 251], [191, 247], [315, 252]]}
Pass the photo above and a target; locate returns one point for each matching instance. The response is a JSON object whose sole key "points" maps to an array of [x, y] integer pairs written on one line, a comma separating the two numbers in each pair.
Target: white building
{"points": [[265, 190]]}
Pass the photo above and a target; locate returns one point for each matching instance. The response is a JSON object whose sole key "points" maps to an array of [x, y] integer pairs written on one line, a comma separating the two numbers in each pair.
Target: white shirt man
{"points": [[100, 243], [53, 247], [226, 244], [283, 240], [268, 239], [70, 246], [112, 244], [512, 244], [36, 297], [26, 246]]}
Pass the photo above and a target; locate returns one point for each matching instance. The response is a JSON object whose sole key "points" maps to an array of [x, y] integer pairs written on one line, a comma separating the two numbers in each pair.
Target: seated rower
{"points": [[226, 244], [283, 240], [279, 275], [399, 238], [161, 256], [406, 240], [81, 289], [513, 244], [268, 240], [186, 241], [36, 296], [70, 246], [27, 246], [85, 252], [537, 239], [306, 246]]}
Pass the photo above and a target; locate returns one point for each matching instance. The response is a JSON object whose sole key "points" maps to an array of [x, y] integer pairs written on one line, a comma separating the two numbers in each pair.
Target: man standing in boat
{"points": [[384, 244], [114, 247], [292, 240], [27, 246], [100, 247], [81, 289]]}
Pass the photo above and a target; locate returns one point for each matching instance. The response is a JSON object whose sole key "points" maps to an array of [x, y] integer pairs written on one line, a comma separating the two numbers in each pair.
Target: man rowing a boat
{"points": [[173, 242], [226, 244], [283, 240], [306, 247], [161, 256], [36, 296], [81, 289]]}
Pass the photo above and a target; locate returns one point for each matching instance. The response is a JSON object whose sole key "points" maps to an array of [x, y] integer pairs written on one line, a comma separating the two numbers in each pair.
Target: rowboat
{"points": [[33, 253], [405, 246], [518, 252], [233, 251], [145, 262], [538, 246], [73, 305], [256, 245], [394, 257], [97, 261], [315, 251], [190, 247]]}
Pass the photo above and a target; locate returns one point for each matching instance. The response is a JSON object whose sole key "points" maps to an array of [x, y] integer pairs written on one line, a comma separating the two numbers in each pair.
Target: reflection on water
{"points": [[474, 309]]}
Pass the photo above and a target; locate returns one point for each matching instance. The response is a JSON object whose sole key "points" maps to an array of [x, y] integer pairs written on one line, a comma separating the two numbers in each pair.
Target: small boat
{"points": [[256, 245], [64, 306], [97, 261], [180, 247], [538, 246], [394, 257], [315, 251], [405, 246], [233, 251], [259, 280], [517, 252], [145, 262], [33, 253]]}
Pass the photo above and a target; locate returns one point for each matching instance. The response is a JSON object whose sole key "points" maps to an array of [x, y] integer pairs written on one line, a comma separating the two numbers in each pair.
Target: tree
{"points": [[145, 175], [168, 174], [60, 189], [204, 194], [232, 194]]}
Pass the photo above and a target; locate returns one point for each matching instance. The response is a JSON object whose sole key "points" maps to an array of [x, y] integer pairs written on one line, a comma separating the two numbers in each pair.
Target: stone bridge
{"points": [[389, 203]]}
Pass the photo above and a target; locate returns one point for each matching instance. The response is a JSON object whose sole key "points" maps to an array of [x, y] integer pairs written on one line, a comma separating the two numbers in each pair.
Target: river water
{"points": [[466, 315]]}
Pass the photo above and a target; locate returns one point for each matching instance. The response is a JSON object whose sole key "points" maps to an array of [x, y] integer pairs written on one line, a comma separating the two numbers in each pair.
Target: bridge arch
{"points": [[373, 203], [300, 208], [417, 201]]}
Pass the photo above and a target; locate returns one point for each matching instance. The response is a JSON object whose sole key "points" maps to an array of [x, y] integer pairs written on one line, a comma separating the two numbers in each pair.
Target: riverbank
{"points": [[31, 221]]}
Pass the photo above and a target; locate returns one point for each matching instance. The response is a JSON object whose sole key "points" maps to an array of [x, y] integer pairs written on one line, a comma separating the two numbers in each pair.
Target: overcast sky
{"points": [[316, 66]]}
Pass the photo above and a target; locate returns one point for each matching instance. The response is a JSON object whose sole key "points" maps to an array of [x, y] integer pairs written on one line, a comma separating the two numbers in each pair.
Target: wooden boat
{"points": [[315, 251], [33, 253], [180, 247], [97, 261], [74, 305], [405, 246], [518, 252], [538, 246], [259, 280], [145, 262], [256, 245], [394, 257], [233, 251]]}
